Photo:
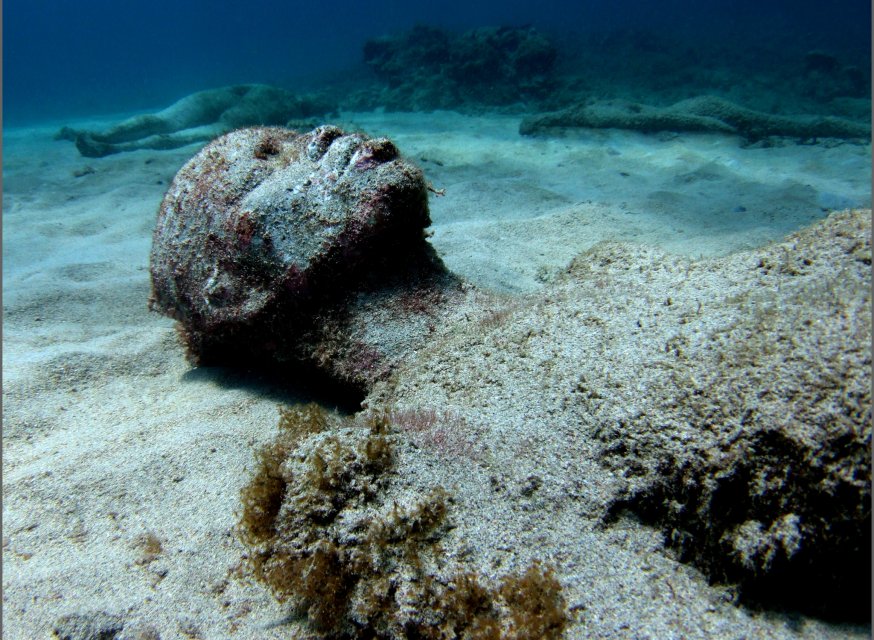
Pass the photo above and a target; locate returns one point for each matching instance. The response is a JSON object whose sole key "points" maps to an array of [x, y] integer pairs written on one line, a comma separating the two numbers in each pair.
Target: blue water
{"points": [[63, 59]]}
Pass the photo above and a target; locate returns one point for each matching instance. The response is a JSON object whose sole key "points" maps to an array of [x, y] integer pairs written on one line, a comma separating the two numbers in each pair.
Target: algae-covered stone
{"points": [[265, 228], [429, 68]]}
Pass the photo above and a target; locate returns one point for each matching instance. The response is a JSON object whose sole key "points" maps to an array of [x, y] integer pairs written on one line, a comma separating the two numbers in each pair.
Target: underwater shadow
{"points": [[283, 385]]}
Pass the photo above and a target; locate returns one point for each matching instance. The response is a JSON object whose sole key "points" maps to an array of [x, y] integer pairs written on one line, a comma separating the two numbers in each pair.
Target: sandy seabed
{"points": [[123, 465]]}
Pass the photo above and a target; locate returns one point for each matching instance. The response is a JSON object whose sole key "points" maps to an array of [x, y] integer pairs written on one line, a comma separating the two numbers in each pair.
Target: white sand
{"points": [[110, 435]]}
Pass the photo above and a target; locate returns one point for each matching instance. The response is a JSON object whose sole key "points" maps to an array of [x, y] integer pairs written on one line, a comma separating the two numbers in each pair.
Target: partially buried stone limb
{"points": [[699, 114], [276, 246]]}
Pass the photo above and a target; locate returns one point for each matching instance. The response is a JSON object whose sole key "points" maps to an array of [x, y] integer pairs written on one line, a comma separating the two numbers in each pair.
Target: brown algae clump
{"points": [[323, 537]]}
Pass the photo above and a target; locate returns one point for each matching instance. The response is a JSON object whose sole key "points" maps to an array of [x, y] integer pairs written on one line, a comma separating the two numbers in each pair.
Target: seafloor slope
{"points": [[560, 408]]}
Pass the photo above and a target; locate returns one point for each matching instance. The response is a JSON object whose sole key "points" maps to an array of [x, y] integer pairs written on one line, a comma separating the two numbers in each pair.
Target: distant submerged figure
{"points": [[197, 117]]}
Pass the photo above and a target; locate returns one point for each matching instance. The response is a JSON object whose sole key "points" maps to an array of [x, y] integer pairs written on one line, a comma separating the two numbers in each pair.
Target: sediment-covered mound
{"points": [[724, 401]]}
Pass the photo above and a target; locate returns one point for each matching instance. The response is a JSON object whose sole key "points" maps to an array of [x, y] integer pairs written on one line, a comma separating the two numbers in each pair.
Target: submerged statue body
{"points": [[198, 117]]}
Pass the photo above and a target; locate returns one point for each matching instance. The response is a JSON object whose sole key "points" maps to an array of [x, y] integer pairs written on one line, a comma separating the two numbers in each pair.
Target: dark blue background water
{"points": [[63, 58]]}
